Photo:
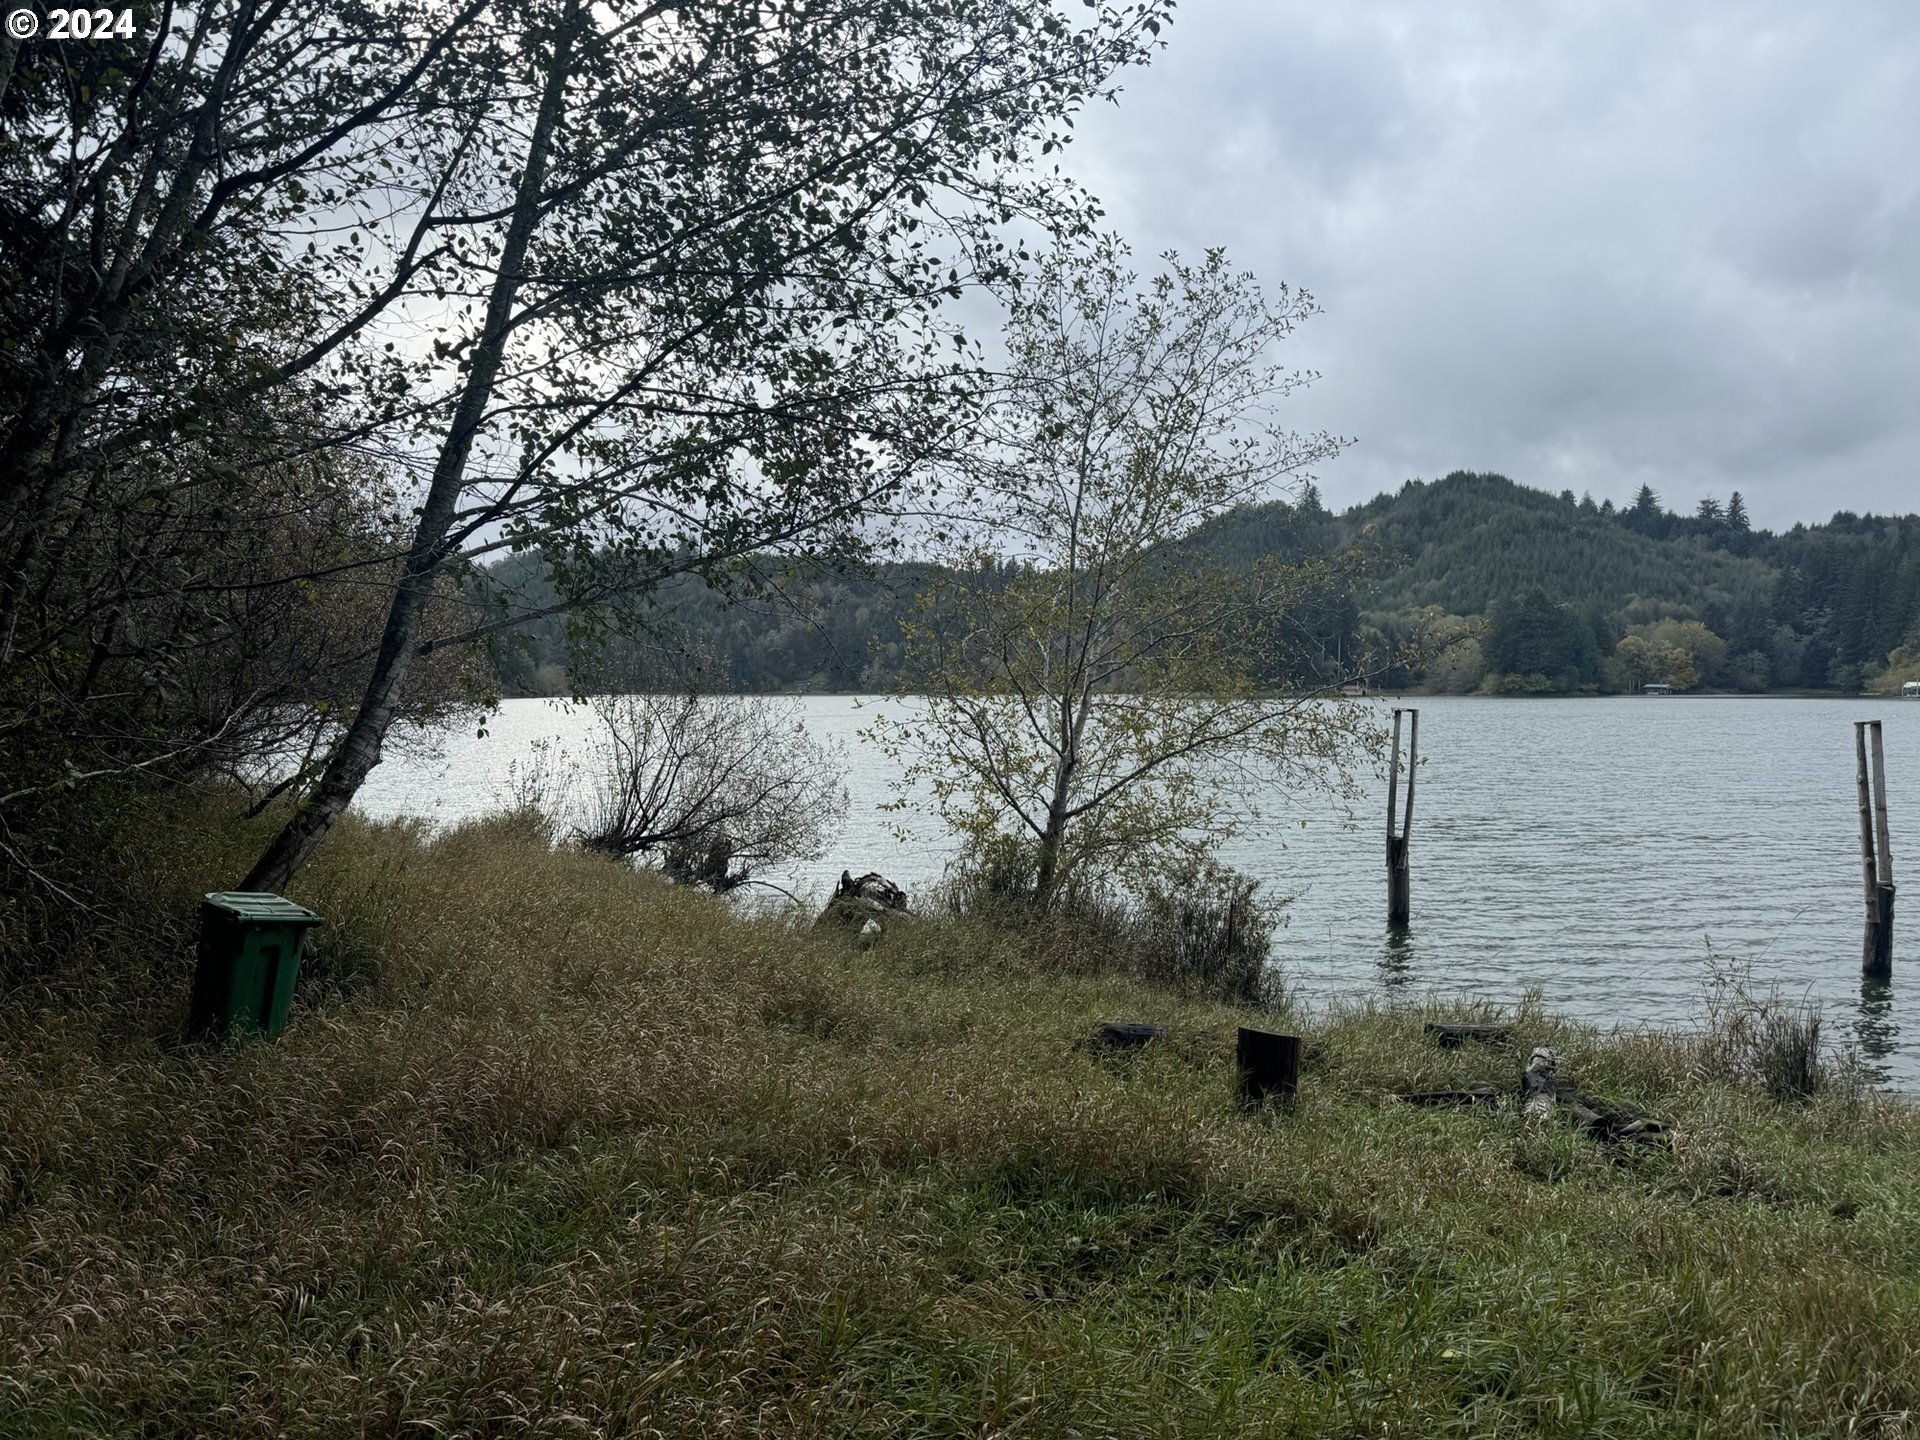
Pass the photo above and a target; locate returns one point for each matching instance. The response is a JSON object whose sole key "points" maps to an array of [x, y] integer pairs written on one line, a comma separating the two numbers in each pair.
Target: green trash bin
{"points": [[249, 956]]}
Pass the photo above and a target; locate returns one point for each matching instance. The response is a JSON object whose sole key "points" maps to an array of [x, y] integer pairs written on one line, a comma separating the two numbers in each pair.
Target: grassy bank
{"points": [[550, 1149]]}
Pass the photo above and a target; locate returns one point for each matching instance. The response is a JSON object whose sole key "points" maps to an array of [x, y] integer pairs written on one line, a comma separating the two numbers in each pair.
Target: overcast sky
{"points": [[1583, 244]]}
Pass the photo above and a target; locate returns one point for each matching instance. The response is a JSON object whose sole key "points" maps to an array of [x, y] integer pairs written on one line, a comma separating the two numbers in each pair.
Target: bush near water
{"points": [[554, 1148]]}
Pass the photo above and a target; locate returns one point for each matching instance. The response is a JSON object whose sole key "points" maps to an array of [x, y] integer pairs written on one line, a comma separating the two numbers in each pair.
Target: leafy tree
{"points": [[1089, 707], [185, 566], [708, 253], [710, 788]]}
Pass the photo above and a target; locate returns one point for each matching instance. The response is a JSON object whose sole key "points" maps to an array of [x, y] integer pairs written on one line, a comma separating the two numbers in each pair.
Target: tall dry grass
{"points": [[551, 1148]]}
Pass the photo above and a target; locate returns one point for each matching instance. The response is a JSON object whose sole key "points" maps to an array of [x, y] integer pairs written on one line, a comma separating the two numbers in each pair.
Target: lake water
{"points": [[1595, 849]]}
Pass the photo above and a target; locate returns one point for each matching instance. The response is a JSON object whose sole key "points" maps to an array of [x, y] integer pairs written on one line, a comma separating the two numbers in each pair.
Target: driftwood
{"points": [[1126, 1034], [1543, 1095], [1452, 1034]]}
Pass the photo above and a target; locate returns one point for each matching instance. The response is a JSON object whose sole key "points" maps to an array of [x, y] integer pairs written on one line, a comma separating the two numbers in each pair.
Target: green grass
{"points": [[552, 1149]]}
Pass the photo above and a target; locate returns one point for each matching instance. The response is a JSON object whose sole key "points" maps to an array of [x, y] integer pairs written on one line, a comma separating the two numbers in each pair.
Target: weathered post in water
{"points": [[1399, 878], [1876, 851]]}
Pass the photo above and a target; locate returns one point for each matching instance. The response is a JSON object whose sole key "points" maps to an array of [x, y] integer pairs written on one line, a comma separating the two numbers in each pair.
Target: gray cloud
{"points": [[1586, 244]]}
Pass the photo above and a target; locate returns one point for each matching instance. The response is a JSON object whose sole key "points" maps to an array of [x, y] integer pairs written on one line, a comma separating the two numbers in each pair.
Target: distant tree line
{"points": [[1471, 582]]}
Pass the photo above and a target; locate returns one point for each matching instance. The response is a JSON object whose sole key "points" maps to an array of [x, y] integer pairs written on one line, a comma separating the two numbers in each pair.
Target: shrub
{"points": [[1203, 931], [1208, 932]]}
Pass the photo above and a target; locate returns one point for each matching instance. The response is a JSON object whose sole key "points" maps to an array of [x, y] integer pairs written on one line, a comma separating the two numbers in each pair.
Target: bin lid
{"points": [[261, 905]]}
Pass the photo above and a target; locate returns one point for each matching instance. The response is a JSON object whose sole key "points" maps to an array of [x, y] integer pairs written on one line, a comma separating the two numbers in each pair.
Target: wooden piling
{"points": [[1269, 1066], [1876, 850], [1399, 876]]}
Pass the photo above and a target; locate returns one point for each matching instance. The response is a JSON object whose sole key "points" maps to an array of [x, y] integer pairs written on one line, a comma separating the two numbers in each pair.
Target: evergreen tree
{"points": [[1737, 512], [1708, 510], [1532, 635]]}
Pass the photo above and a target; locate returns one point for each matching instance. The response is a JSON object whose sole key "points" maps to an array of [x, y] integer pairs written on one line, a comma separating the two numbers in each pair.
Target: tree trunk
{"points": [[1046, 875], [359, 749]]}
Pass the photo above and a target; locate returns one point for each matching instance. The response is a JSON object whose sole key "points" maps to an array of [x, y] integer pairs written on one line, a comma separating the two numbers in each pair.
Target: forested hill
{"points": [[1474, 583]]}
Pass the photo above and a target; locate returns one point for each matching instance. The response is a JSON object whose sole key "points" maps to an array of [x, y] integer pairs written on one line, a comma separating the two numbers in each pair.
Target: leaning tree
{"points": [[697, 314], [647, 292]]}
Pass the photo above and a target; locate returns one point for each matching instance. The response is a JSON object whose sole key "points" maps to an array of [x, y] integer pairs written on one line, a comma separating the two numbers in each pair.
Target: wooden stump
{"points": [[1268, 1065]]}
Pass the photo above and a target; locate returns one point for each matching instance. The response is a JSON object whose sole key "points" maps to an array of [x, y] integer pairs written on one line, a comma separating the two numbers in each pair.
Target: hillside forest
{"points": [[1471, 584]]}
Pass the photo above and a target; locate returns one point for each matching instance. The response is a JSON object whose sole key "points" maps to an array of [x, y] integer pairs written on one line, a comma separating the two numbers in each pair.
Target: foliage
{"points": [[653, 298], [189, 570], [1813, 607], [1091, 693], [1531, 635], [1206, 932], [1439, 556], [1760, 1039], [711, 788], [1203, 931]]}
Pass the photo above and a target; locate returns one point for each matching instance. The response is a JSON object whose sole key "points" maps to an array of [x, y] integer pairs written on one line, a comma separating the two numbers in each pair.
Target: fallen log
{"points": [[1452, 1034], [1126, 1034]]}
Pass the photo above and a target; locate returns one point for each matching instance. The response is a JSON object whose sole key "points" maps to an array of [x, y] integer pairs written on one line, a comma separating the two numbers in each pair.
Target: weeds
{"points": [[1204, 932], [583, 1152], [1762, 1040]]}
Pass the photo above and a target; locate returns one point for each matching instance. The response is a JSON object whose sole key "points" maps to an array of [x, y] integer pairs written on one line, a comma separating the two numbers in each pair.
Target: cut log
{"points": [[1452, 1034]]}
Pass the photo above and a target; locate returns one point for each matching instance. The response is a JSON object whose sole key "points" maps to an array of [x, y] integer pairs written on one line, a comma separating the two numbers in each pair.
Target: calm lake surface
{"points": [[1594, 849]]}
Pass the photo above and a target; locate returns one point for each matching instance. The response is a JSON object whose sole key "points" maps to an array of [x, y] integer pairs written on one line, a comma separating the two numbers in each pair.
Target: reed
{"points": [[554, 1148]]}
